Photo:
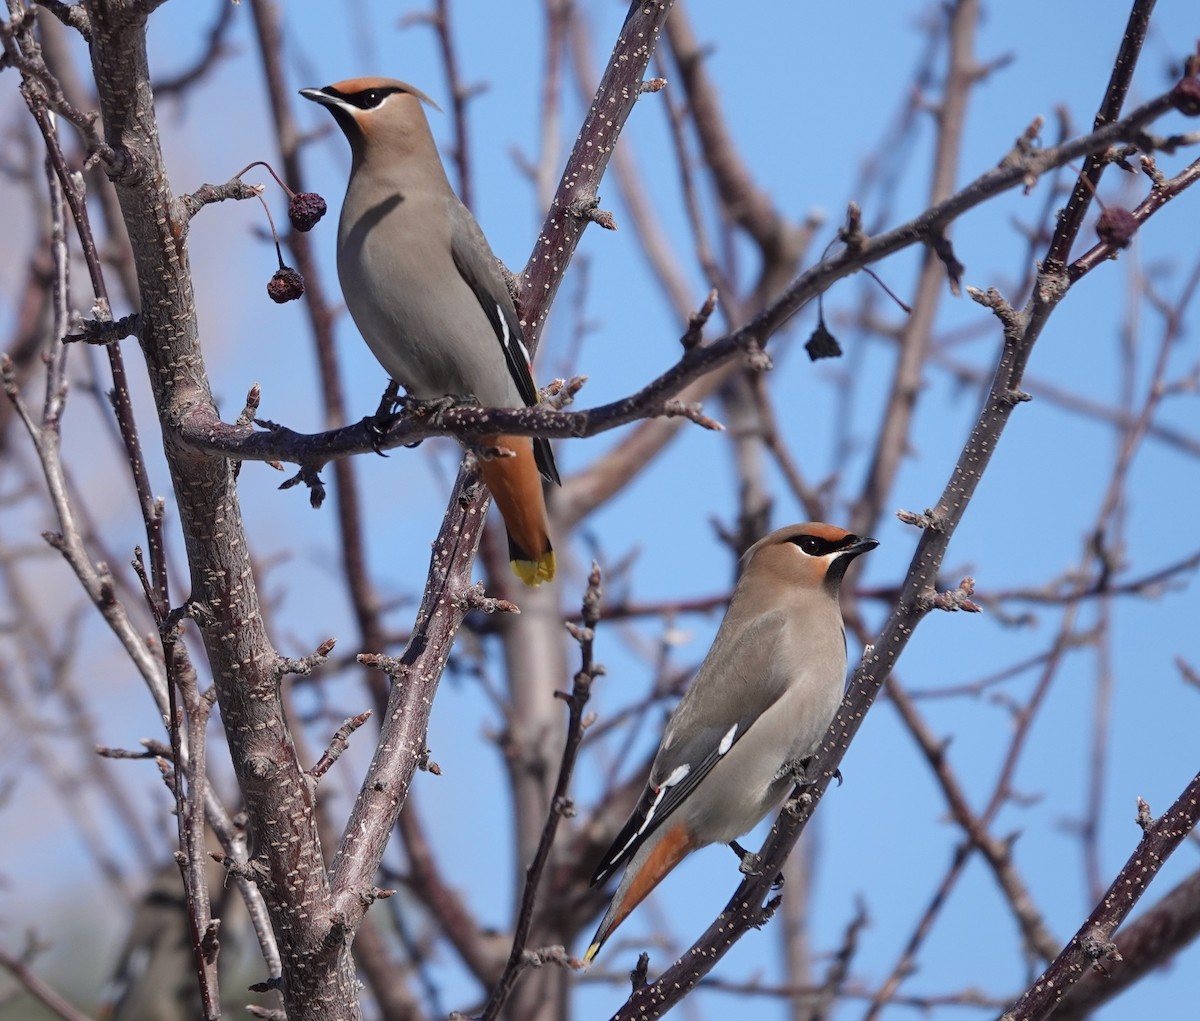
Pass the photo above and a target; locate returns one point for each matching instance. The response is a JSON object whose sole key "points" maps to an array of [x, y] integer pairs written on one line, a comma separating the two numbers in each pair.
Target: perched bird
{"points": [[754, 713], [428, 296]]}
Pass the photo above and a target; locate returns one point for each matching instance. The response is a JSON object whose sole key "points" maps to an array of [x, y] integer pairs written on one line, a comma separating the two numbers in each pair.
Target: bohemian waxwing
{"points": [[426, 293], [757, 709]]}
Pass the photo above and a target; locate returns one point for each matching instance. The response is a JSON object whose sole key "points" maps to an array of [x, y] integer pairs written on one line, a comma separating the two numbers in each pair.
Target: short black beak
{"points": [[318, 96], [861, 546]]}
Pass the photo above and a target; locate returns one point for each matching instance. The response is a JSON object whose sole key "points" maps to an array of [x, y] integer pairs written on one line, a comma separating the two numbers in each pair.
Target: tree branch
{"points": [[560, 804], [1092, 944]]}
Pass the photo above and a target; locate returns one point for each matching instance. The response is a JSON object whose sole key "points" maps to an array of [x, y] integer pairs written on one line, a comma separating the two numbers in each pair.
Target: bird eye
{"points": [[815, 546], [368, 99]]}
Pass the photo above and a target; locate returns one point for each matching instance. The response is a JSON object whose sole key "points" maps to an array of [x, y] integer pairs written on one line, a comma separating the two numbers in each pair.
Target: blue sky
{"points": [[809, 91]]}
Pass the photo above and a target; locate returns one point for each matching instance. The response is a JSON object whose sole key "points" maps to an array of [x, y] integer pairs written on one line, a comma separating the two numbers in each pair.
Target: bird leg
{"points": [[751, 864], [416, 407], [379, 423], [432, 407], [750, 861]]}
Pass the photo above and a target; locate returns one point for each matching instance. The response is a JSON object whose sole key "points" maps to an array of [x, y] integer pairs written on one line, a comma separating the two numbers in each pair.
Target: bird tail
{"points": [[646, 870], [516, 486]]}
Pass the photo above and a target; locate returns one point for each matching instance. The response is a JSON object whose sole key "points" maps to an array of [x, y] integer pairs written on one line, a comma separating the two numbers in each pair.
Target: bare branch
{"points": [[338, 744], [560, 804], [1092, 944]]}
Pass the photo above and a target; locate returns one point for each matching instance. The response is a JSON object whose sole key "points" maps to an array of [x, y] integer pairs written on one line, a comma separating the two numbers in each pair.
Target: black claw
{"points": [[801, 776], [377, 429], [379, 423]]}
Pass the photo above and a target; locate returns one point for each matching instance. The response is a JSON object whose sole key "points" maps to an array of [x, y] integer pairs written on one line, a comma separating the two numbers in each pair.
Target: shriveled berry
{"points": [[1185, 97], [1116, 226], [305, 210], [286, 285], [822, 344]]}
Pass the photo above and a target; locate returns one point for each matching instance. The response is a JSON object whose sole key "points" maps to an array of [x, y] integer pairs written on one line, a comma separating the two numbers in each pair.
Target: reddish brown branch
{"points": [[1071, 220], [1146, 943], [1092, 944], [338, 744]]}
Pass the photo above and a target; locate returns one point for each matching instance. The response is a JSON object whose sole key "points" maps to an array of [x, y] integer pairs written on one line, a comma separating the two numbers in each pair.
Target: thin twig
{"points": [[560, 803]]}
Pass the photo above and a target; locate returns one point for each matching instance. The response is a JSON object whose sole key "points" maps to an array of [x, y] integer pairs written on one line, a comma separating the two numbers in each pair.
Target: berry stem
{"points": [[271, 171], [271, 221]]}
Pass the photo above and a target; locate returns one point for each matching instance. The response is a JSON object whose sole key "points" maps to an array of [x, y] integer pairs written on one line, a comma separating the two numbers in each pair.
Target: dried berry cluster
{"points": [[305, 209]]}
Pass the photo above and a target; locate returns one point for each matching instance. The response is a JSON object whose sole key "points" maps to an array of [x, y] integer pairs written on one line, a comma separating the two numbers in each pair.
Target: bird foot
{"points": [[433, 407], [751, 864], [378, 426], [384, 418], [797, 771], [800, 775], [416, 407]]}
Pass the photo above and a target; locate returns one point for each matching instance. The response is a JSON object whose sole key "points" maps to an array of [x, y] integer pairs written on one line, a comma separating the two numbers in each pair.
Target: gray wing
{"points": [[658, 802], [478, 267], [728, 695]]}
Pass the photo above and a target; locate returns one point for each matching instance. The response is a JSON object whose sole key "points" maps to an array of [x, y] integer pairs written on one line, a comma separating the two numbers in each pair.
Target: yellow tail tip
{"points": [[534, 572]]}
